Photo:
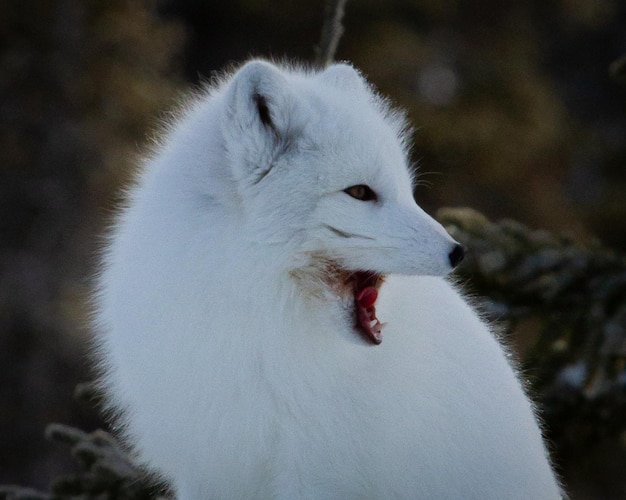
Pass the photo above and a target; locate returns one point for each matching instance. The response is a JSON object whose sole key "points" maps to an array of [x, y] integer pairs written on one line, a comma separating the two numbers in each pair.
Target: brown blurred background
{"points": [[516, 115]]}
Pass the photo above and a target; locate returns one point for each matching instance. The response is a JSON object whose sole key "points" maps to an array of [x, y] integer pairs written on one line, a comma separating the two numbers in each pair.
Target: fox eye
{"points": [[361, 192]]}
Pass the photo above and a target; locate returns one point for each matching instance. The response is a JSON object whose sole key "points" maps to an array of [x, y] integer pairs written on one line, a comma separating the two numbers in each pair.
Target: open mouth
{"points": [[359, 287], [365, 287]]}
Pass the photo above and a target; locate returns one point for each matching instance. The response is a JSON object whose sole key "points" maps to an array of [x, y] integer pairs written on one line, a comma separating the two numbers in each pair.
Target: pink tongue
{"points": [[366, 314]]}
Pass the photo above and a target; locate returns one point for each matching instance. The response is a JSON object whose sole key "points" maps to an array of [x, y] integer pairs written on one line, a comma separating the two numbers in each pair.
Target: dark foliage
{"points": [[568, 303]]}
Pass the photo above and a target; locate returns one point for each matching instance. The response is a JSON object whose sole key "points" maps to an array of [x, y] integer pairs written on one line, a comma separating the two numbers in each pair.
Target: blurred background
{"points": [[515, 111]]}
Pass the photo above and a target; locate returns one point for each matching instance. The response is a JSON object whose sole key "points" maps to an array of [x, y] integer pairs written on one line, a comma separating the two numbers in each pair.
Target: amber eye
{"points": [[361, 192]]}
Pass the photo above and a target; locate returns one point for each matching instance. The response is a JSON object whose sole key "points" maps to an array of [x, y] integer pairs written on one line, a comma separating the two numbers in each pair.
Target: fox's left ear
{"points": [[259, 96], [344, 77], [258, 117]]}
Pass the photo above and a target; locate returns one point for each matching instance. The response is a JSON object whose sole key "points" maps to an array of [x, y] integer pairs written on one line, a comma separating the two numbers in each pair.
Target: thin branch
{"points": [[332, 29]]}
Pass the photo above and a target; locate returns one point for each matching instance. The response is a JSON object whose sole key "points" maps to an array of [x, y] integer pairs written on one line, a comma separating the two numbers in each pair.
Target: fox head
{"points": [[321, 166]]}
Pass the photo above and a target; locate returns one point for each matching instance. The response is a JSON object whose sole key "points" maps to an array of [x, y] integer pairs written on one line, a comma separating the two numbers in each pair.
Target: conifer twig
{"points": [[12, 492], [332, 30], [575, 295], [106, 470]]}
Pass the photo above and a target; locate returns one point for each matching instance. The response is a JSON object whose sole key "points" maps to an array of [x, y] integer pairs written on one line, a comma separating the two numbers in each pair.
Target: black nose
{"points": [[456, 255]]}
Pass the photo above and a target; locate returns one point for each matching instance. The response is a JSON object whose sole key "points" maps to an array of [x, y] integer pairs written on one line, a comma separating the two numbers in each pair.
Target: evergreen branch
{"points": [[106, 471], [577, 295], [11, 492]]}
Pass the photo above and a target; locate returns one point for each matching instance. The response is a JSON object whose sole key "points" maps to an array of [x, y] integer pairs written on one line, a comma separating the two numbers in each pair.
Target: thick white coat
{"points": [[234, 363]]}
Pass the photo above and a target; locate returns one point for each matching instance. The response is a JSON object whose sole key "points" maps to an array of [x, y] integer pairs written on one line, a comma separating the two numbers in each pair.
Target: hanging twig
{"points": [[332, 29]]}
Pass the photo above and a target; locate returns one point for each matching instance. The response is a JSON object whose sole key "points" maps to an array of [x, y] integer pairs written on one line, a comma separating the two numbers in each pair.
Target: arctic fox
{"points": [[273, 319]]}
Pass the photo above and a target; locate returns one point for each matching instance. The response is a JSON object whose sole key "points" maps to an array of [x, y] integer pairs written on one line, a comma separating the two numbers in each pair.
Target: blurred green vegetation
{"points": [[516, 113]]}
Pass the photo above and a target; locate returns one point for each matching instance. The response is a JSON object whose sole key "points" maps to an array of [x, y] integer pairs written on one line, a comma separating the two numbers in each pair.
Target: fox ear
{"points": [[259, 99], [258, 119], [344, 77]]}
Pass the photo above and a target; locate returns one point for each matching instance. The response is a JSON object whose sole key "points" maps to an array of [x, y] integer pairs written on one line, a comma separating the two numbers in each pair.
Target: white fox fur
{"points": [[226, 329]]}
